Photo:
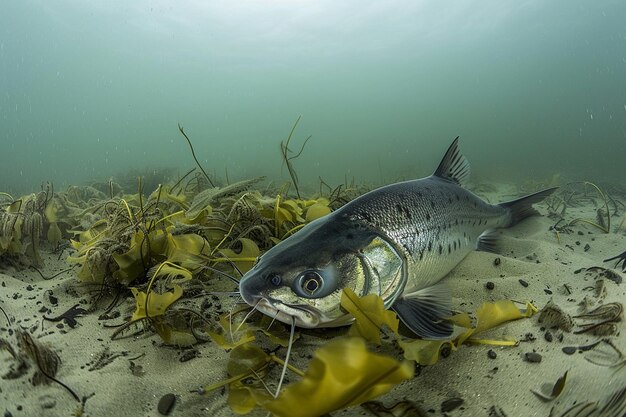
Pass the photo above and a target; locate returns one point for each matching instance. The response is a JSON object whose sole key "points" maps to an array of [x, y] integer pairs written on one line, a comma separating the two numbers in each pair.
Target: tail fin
{"points": [[523, 207]]}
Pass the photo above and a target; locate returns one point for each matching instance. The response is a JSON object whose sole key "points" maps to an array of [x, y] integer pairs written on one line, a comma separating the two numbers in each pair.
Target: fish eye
{"points": [[311, 282], [276, 280]]}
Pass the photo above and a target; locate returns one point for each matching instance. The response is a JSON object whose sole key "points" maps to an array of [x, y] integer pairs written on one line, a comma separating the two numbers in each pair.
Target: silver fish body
{"points": [[397, 241], [432, 223]]}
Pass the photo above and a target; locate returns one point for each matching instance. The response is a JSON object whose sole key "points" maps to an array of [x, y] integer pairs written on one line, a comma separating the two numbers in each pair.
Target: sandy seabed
{"points": [[143, 369]]}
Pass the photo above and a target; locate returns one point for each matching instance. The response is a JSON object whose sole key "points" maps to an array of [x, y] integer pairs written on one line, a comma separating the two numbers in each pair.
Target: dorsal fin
{"points": [[454, 166]]}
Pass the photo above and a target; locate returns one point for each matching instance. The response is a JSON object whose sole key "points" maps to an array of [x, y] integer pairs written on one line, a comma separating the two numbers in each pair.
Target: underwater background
{"points": [[94, 90]]}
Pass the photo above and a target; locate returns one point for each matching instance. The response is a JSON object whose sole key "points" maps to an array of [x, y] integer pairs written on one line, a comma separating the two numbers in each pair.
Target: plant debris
{"points": [[406, 408], [46, 360], [605, 273], [605, 353], [69, 317], [621, 258], [451, 404], [613, 406], [552, 316], [549, 392]]}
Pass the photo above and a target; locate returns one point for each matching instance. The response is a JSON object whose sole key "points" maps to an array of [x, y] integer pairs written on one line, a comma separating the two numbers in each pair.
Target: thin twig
{"points": [[193, 153]]}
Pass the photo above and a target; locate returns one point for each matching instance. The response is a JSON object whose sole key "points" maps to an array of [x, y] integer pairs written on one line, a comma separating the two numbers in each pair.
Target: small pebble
{"points": [[569, 350], [490, 285], [548, 336], [587, 247], [532, 357], [7, 413], [492, 354], [451, 404], [166, 404], [524, 283], [497, 261]]}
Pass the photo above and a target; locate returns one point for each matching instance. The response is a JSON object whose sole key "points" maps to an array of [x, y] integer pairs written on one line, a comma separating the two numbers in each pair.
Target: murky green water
{"points": [[90, 90]]}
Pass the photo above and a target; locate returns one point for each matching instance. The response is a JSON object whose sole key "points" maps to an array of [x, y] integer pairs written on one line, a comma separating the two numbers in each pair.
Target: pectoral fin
{"points": [[425, 311]]}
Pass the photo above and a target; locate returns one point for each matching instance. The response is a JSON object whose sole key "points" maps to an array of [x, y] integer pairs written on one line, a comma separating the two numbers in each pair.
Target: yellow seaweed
{"points": [[244, 257], [54, 234], [317, 210], [231, 335], [369, 313], [342, 373], [488, 316], [156, 304]]}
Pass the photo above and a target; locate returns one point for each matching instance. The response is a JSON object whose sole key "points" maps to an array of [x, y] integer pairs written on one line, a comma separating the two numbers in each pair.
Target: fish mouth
{"points": [[303, 316]]}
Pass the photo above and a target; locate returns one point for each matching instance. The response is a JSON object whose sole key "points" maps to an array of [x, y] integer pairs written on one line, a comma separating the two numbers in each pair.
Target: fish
{"points": [[398, 241]]}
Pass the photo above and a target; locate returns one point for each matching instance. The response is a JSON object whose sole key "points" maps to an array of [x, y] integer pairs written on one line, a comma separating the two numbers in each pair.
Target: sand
{"points": [[486, 385]]}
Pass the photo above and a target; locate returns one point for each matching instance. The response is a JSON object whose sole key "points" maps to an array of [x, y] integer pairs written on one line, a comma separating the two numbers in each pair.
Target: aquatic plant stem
{"points": [[6, 316], [290, 367], [7, 195], [181, 179], [193, 153], [217, 247], [284, 149]]}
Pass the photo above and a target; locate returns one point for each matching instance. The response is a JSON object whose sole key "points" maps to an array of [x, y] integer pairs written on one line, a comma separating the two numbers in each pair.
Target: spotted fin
{"points": [[425, 311], [454, 166]]}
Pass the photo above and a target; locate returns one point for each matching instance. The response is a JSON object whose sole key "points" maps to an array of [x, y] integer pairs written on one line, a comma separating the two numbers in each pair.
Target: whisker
{"points": [[247, 315], [282, 376], [272, 322]]}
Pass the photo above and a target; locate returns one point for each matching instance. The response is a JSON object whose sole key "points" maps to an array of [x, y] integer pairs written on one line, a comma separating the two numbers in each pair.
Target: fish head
{"points": [[303, 277]]}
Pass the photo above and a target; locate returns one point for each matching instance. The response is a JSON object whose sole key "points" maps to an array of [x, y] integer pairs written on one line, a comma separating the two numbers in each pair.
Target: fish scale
{"points": [[397, 242], [424, 217]]}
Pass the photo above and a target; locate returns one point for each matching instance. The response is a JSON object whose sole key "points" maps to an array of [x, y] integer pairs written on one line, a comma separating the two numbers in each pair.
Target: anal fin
{"points": [[425, 311], [489, 241]]}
